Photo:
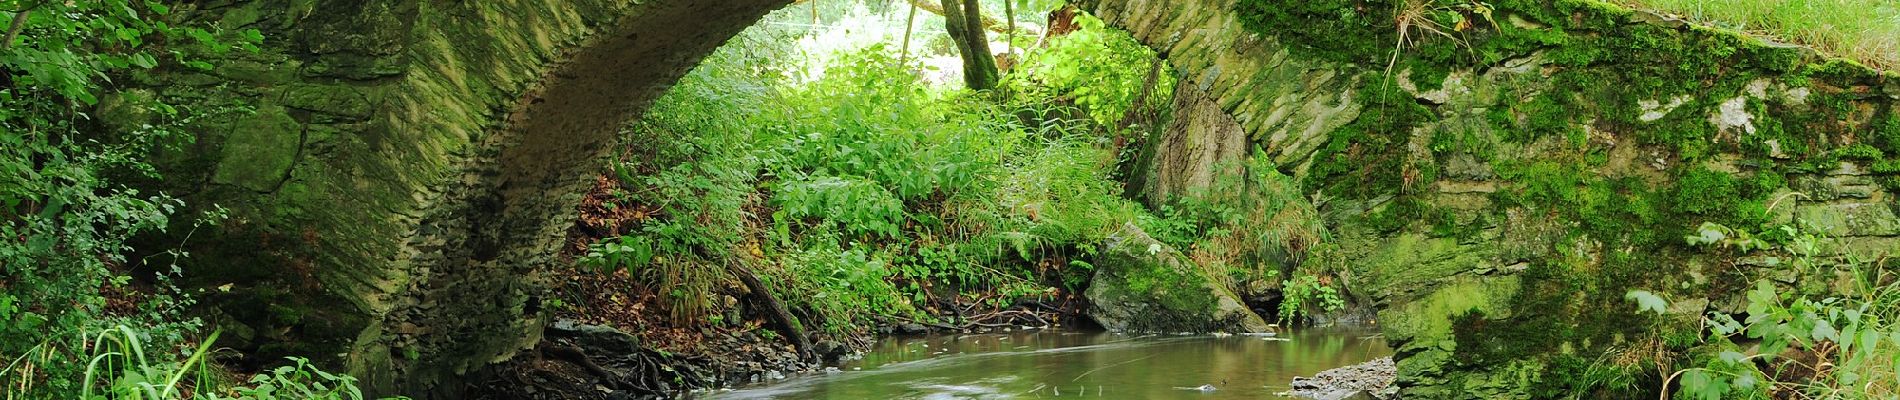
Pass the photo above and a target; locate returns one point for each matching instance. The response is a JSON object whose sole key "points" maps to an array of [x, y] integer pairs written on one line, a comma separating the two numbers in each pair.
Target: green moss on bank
{"points": [[1620, 131]]}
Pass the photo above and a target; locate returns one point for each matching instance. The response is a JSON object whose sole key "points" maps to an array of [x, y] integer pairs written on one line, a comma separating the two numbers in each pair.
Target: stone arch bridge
{"points": [[412, 164]]}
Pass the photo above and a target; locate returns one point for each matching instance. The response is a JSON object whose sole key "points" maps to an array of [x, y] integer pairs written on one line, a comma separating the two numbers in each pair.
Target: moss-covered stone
{"points": [[1143, 285], [343, 101], [260, 150], [1559, 148], [407, 166]]}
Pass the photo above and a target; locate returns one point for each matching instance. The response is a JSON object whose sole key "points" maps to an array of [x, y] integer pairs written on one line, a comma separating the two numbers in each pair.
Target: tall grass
{"points": [[1863, 30], [121, 362]]}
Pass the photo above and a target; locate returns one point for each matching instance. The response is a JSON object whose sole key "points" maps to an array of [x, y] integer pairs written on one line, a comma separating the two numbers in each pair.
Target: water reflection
{"points": [[1074, 364]]}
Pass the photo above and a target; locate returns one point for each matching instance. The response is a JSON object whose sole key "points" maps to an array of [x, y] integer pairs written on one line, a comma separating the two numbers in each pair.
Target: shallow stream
{"points": [[1046, 364]]}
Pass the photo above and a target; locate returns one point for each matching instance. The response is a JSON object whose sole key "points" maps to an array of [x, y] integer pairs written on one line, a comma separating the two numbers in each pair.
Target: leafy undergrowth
{"points": [[862, 196], [740, 343], [73, 321], [1819, 339], [864, 199], [852, 196]]}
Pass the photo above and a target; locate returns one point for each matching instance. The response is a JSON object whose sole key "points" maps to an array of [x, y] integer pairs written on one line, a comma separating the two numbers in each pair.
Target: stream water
{"points": [[1078, 364]]}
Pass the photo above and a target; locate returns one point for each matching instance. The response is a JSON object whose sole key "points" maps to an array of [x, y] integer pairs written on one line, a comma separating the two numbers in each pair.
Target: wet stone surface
{"points": [[1364, 381]]}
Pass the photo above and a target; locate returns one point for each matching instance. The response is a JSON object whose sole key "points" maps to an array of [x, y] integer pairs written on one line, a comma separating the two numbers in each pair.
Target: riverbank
{"points": [[611, 338]]}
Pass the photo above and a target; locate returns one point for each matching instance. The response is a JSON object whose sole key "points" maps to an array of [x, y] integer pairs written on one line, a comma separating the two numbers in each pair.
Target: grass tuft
{"points": [[1863, 30]]}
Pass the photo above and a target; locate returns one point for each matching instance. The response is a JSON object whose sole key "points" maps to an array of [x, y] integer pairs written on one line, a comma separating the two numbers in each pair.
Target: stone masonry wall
{"points": [[1496, 196]]}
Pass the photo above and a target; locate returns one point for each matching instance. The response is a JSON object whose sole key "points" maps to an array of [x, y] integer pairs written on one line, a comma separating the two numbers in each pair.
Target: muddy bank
{"points": [[611, 340], [580, 361], [1364, 381]]}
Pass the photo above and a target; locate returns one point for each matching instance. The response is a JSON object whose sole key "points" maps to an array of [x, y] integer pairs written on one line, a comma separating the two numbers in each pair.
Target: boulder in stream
{"points": [[1144, 285]]}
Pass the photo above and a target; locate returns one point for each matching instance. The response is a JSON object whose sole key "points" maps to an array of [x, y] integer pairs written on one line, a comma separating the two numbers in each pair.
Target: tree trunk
{"points": [[1009, 42], [990, 23], [910, 24], [966, 29]]}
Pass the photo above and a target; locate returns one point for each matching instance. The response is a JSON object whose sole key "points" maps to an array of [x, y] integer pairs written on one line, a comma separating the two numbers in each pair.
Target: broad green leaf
{"points": [[143, 60], [1824, 330], [1646, 301]]}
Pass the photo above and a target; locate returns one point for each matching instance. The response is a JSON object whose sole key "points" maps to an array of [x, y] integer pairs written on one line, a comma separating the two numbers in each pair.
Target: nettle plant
{"points": [[1841, 345]]}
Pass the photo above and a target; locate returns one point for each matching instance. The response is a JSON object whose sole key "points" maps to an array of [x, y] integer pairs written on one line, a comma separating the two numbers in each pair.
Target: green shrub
{"points": [[66, 212], [1792, 343], [864, 186], [846, 286], [1101, 70], [861, 207], [1304, 293]]}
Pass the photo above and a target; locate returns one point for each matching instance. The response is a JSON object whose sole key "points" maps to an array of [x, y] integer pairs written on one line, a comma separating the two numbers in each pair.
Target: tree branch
{"points": [[13, 31], [989, 23]]}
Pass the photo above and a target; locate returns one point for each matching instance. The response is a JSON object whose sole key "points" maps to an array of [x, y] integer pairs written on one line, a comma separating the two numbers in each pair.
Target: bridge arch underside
{"points": [[411, 166], [528, 174]]}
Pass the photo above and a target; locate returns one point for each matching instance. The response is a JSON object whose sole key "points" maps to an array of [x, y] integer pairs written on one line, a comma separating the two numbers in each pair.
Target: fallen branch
{"points": [[979, 320], [946, 327], [776, 308]]}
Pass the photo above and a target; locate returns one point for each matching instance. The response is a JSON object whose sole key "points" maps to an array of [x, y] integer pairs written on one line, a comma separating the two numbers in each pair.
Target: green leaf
{"points": [[1824, 330], [251, 36], [143, 60], [1646, 301]]}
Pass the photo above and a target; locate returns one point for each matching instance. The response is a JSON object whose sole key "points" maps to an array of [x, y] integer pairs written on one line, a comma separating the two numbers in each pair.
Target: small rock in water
{"points": [[832, 370], [1202, 388], [774, 375], [1222, 334], [831, 350]]}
